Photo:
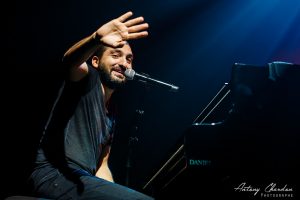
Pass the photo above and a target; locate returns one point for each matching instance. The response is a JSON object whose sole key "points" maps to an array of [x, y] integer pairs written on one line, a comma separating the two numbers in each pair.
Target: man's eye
{"points": [[115, 55], [129, 60]]}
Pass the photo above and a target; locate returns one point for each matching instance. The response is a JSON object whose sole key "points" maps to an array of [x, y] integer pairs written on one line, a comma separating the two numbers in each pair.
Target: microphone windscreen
{"points": [[129, 74]]}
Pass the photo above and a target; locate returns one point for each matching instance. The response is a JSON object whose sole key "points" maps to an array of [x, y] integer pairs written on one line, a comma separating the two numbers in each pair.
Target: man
{"points": [[72, 159]]}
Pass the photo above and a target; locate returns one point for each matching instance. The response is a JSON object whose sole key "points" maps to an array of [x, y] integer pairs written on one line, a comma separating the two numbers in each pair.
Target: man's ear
{"points": [[95, 61]]}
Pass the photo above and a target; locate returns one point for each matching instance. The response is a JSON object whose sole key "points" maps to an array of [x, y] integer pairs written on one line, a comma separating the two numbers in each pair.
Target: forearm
{"points": [[81, 51]]}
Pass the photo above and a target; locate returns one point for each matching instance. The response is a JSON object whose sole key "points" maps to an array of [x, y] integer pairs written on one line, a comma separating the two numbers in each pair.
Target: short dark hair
{"points": [[100, 50]]}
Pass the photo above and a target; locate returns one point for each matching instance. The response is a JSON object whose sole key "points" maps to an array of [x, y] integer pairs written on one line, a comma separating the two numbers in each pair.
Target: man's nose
{"points": [[124, 63]]}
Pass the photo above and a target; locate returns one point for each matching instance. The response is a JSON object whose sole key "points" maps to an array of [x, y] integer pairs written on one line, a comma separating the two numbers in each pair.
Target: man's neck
{"points": [[107, 92]]}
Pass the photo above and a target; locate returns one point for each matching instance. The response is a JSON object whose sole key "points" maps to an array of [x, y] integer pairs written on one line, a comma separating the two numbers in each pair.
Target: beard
{"points": [[108, 80]]}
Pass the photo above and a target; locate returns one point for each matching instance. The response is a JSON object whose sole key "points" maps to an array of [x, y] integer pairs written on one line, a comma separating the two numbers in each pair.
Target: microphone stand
{"points": [[132, 141], [133, 136]]}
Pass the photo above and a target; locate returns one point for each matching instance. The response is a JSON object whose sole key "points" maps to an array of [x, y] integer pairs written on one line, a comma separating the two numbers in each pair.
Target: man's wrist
{"points": [[96, 38]]}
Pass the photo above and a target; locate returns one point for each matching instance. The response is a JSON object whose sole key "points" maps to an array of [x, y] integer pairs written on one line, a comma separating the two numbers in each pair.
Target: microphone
{"points": [[130, 74]]}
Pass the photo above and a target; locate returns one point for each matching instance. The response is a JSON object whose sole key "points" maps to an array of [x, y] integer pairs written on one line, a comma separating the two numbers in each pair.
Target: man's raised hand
{"points": [[117, 31]]}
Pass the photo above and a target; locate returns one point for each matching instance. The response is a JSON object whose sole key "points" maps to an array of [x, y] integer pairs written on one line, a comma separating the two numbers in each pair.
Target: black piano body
{"points": [[248, 134]]}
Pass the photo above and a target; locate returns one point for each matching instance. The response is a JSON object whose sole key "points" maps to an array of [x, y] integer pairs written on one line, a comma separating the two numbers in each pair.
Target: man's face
{"points": [[113, 64]]}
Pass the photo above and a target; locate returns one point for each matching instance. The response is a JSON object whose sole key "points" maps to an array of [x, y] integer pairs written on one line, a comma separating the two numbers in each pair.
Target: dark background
{"points": [[192, 44]]}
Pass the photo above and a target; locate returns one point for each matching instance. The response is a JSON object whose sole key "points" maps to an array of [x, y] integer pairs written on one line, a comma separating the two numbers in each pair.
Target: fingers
{"points": [[132, 36], [137, 28], [125, 16], [131, 22], [134, 21], [133, 27], [118, 44]]}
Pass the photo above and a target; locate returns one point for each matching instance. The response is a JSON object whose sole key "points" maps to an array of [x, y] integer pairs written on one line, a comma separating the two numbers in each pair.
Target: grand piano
{"points": [[245, 139]]}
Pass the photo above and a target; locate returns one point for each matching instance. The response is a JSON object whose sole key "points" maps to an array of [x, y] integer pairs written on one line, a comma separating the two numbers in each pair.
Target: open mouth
{"points": [[118, 72]]}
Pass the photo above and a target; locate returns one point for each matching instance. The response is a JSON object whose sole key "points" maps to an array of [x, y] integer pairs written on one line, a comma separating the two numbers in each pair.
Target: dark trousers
{"points": [[55, 185]]}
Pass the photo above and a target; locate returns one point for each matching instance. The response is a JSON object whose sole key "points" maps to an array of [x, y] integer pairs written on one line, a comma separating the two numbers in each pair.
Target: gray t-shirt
{"points": [[78, 127]]}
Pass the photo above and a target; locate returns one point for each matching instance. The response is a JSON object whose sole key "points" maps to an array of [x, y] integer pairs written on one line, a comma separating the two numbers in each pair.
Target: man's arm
{"points": [[115, 33], [104, 171]]}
